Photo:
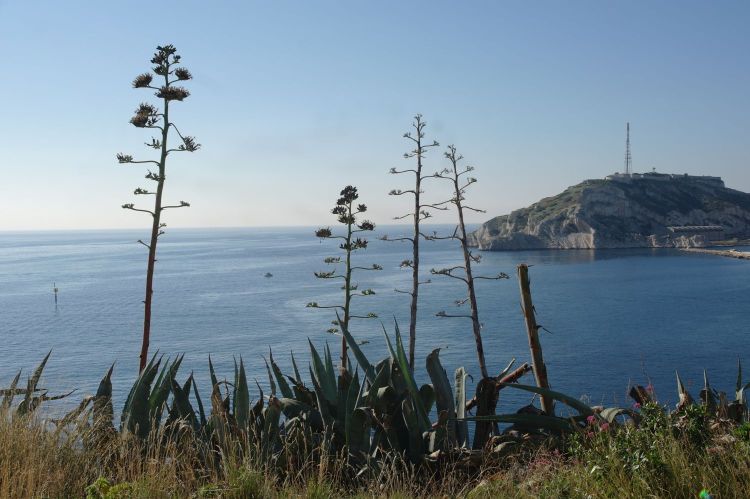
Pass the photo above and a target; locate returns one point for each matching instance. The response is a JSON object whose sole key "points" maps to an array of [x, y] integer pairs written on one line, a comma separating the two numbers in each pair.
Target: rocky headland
{"points": [[624, 211]]}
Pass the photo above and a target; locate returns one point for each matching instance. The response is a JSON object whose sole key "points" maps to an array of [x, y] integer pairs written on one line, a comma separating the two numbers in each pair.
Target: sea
{"points": [[611, 318]]}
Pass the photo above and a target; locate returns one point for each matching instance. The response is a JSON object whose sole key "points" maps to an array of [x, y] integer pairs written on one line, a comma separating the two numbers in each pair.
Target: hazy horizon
{"points": [[292, 101]]}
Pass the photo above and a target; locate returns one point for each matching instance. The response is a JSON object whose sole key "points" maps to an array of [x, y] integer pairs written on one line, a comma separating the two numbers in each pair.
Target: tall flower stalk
{"points": [[347, 213], [165, 62], [457, 176], [418, 214]]}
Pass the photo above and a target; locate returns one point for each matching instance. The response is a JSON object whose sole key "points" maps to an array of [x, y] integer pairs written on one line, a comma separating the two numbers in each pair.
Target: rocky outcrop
{"points": [[621, 213]]}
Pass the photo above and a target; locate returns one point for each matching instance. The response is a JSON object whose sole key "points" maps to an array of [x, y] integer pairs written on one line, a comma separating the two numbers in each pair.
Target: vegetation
{"points": [[419, 214], [165, 63], [364, 440], [347, 212]]}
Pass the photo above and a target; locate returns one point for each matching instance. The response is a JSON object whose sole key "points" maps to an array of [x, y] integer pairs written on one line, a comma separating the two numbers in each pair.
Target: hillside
{"points": [[624, 212]]}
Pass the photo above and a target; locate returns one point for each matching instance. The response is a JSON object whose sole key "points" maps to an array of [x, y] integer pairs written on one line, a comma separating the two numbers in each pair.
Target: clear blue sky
{"points": [[293, 100]]}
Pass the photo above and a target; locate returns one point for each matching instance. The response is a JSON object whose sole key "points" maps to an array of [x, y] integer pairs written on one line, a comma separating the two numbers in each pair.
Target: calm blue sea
{"points": [[615, 316]]}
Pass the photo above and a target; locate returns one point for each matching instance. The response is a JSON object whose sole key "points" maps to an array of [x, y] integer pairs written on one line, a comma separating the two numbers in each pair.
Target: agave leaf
{"points": [[351, 403], [201, 410], [10, 394], [283, 385], [103, 411], [270, 434], [358, 353], [359, 432], [320, 377], [214, 381], [411, 419], [293, 408], [158, 398], [73, 415], [708, 395], [685, 398], [135, 415], [258, 406], [443, 393], [182, 409], [323, 405], [270, 378], [411, 386], [26, 406], [738, 385], [552, 423], [427, 397], [462, 428], [330, 371], [297, 376], [507, 368], [565, 399], [611, 413], [242, 398]]}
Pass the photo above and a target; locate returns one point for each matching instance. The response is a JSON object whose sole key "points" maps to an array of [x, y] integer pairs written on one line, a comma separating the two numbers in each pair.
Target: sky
{"points": [[293, 100]]}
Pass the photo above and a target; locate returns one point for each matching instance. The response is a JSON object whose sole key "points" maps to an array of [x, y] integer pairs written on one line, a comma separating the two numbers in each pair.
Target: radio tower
{"points": [[628, 158]]}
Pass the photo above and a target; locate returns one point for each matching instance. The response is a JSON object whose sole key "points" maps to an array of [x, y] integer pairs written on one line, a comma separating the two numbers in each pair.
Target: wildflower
{"points": [[591, 419], [636, 406], [604, 427]]}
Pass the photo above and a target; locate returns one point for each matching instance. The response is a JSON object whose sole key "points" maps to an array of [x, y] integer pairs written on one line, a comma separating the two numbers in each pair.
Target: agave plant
{"points": [[33, 395]]}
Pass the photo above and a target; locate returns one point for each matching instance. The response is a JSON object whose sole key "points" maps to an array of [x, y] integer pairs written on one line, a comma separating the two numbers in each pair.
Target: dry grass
{"points": [[36, 460]]}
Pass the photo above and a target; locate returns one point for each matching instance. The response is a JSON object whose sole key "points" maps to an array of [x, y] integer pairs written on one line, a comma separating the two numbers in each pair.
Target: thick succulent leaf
{"points": [[73, 415], [284, 388], [427, 397], [297, 376], [507, 368], [462, 428], [103, 411], [411, 386], [330, 371], [323, 406], [214, 381], [351, 403], [443, 393], [293, 408], [181, 407], [411, 419], [358, 433], [738, 384], [358, 354], [611, 413], [565, 399], [10, 393], [327, 384], [685, 398], [270, 434], [27, 405], [135, 415], [242, 398], [271, 382], [163, 386], [201, 410], [540, 421]]}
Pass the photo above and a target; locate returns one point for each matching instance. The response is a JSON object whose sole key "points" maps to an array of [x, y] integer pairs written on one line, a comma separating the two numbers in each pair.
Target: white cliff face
{"points": [[611, 214]]}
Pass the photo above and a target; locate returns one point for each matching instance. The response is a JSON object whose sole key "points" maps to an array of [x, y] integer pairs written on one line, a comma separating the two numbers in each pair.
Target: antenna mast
{"points": [[628, 158]]}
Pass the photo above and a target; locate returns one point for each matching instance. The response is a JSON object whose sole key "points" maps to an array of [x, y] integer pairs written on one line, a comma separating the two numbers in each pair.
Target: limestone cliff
{"points": [[622, 212]]}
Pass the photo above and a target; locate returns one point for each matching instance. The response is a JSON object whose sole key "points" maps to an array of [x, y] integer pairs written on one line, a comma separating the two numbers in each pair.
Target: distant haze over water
{"points": [[614, 315]]}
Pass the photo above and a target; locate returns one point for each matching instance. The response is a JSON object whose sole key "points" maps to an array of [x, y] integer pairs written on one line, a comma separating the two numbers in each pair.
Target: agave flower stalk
{"points": [[165, 62], [347, 213], [457, 176], [419, 214]]}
